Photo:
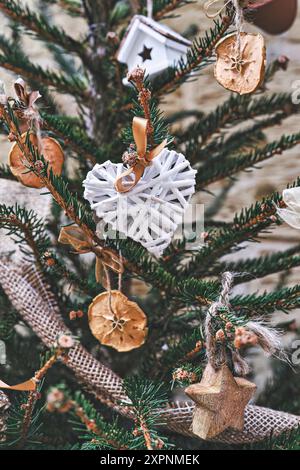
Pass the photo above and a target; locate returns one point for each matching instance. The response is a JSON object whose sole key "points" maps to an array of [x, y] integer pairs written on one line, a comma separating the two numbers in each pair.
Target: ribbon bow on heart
{"points": [[144, 156], [105, 257]]}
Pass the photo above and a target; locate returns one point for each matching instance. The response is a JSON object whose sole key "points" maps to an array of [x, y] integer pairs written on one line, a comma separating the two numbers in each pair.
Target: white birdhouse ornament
{"points": [[147, 201], [151, 46]]}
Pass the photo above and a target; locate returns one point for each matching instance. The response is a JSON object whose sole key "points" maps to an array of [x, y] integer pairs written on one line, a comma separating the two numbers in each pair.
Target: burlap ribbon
{"points": [[139, 130], [28, 386], [33, 299], [105, 257]]}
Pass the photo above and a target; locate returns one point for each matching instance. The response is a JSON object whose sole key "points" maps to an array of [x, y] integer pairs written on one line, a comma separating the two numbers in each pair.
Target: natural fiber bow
{"points": [[139, 130], [105, 257], [210, 3], [27, 98]]}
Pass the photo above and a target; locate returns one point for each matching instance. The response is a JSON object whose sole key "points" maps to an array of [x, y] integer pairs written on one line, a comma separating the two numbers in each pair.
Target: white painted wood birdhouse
{"points": [[150, 45]]}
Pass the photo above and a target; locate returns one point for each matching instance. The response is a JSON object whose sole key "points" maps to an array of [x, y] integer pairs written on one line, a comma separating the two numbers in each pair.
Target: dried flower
{"points": [[136, 75], [181, 375], [244, 337], [220, 335], [228, 326], [65, 341], [283, 61], [39, 166], [57, 401], [130, 158], [74, 314]]}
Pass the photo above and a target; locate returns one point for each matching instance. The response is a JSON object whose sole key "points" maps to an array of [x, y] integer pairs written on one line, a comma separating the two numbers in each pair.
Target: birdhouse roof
{"points": [[160, 32]]}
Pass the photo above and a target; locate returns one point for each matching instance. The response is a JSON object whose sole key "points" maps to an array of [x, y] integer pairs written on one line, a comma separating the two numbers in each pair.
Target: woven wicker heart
{"points": [[151, 211]]}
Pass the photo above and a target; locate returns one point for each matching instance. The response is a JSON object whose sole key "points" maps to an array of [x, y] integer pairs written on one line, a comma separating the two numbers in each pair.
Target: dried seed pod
{"points": [[52, 153], [241, 69], [118, 322]]}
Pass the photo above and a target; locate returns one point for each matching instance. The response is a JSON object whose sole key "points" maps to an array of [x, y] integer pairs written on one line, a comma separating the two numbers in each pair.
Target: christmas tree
{"points": [[109, 315]]}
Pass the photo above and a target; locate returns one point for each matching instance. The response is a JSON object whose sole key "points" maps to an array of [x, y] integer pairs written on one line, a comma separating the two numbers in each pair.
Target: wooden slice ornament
{"points": [[118, 322], [241, 63], [52, 153]]}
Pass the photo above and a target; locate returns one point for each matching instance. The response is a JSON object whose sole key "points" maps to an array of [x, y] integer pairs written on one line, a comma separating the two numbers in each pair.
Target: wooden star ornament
{"points": [[220, 401]]}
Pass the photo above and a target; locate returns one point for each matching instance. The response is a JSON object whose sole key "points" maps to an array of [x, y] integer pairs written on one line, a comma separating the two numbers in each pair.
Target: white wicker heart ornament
{"points": [[152, 210]]}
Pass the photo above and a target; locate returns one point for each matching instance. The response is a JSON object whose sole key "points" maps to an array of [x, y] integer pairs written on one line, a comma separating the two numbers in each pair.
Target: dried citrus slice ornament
{"points": [[116, 321], [52, 152], [240, 67]]}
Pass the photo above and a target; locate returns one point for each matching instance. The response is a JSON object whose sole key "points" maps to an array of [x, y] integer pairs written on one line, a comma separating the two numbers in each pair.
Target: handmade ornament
{"points": [[241, 62], [291, 213], [151, 45], [48, 147], [147, 201], [105, 257], [273, 16], [26, 108], [46, 321], [117, 322], [220, 401], [221, 398]]}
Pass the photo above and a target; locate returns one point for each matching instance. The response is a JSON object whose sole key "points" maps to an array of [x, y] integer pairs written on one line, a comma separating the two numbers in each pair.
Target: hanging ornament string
{"points": [[210, 3], [150, 8], [143, 156], [239, 18], [120, 275], [105, 257], [216, 353], [269, 339], [239, 21]]}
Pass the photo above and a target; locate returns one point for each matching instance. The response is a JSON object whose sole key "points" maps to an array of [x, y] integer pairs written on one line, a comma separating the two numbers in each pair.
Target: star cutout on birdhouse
{"points": [[220, 401], [146, 53]]}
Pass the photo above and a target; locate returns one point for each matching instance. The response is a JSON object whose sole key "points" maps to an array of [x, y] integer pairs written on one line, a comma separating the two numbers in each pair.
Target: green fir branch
{"points": [[39, 26], [102, 434], [74, 137], [72, 7], [234, 110], [14, 59], [146, 398], [198, 56], [218, 168], [255, 268], [246, 227], [25, 228]]}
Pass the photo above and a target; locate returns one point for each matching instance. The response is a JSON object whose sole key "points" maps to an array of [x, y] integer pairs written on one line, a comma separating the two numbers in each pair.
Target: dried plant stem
{"points": [[137, 77], [33, 397], [92, 426], [146, 435]]}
